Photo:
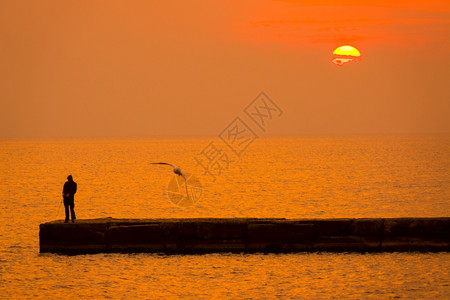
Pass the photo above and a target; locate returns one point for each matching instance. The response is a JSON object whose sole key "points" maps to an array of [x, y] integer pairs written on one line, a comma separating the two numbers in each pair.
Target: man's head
{"points": [[69, 177]]}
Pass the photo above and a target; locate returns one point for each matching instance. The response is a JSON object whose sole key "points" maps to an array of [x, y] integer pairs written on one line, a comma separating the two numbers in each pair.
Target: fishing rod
{"points": [[59, 207]]}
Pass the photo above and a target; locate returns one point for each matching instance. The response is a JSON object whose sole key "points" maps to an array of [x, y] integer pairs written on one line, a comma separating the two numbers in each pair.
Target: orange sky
{"points": [[147, 68]]}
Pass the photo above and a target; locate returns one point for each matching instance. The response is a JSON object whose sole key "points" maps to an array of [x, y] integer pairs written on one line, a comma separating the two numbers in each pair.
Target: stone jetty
{"points": [[247, 235]]}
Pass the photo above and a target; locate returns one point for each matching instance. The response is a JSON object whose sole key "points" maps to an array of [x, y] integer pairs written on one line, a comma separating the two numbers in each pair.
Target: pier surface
{"points": [[245, 235]]}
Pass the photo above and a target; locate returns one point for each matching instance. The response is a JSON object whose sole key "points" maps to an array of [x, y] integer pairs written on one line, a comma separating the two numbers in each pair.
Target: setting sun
{"points": [[346, 50], [345, 54]]}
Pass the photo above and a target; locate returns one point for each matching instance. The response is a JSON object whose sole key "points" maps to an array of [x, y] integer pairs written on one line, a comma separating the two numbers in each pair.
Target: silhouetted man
{"points": [[69, 190]]}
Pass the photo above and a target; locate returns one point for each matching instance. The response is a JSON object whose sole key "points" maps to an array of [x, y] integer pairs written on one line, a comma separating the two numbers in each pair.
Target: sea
{"points": [[269, 177]]}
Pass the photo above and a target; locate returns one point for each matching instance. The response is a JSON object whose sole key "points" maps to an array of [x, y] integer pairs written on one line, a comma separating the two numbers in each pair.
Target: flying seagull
{"points": [[177, 171]]}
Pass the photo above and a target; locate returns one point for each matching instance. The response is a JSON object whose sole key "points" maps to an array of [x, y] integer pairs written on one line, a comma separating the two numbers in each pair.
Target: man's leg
{"points": [[72, 210], [66, 206]]}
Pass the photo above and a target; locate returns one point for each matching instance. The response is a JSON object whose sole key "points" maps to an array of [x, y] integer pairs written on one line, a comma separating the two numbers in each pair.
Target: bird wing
{"points": [[182, 175], [185, 184], [163, 163]]}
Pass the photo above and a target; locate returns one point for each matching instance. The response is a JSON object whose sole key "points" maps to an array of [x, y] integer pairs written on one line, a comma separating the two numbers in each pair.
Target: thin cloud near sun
{"points": [[294, 24]]}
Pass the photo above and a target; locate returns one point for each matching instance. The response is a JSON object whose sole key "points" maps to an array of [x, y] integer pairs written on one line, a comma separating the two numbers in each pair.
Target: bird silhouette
{"points": [[177, 171]]}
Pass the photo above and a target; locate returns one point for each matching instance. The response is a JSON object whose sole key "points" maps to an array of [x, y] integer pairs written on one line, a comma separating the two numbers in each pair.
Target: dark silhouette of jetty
{"points": [[245, 235]]}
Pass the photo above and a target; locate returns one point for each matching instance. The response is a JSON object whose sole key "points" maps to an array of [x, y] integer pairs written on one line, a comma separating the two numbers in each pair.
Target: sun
{"points": [[345, 54], [346, 50]]}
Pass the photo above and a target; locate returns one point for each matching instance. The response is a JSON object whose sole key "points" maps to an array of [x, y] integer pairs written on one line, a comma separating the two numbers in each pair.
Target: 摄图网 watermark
{"points": [[238, 135], [215, 158]]}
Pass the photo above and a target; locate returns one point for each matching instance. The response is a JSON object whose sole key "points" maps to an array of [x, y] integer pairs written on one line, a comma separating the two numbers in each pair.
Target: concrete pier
{"points": [[245, 235]]}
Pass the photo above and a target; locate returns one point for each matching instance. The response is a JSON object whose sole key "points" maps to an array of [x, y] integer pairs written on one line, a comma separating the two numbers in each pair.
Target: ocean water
{"points": [[319, 177]]}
